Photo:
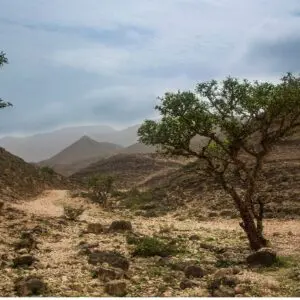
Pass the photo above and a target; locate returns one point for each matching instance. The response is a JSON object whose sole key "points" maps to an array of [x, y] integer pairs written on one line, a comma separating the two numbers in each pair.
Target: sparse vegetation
{"points": [[241, 122], [101, 186], [47, 170], [3, 61], [152, 246], [72, 213]]}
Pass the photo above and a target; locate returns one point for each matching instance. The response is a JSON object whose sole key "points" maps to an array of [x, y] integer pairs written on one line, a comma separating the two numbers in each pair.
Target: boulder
{"points": [[113, 258], [95, 228], [194, 271], [187, 284], [106, 274], [116, 288], [23, 261], [264, 257], [121, 225], [30, 286]]}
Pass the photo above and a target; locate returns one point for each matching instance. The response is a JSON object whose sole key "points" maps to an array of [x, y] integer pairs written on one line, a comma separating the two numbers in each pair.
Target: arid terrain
{"points": [[167, 231], [62, 249]]}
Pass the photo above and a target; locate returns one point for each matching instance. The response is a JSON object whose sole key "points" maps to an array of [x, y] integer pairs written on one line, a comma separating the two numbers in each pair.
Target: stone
{"points": [[26, 241], [30, 286], [113, 258], [106, 274], [150, 205], [194, 237], [95, 228], [264, 257], [213, 214], [187, 284], [85, 248], [116, 288], [120, 225], [23, 261], [194, 271]]}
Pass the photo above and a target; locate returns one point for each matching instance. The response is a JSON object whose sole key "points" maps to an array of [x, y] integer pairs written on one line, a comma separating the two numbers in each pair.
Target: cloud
{"points": [[90, 61]]}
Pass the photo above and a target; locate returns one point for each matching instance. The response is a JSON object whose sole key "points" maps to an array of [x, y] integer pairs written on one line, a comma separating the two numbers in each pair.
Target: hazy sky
{"points": [[91, 61]]}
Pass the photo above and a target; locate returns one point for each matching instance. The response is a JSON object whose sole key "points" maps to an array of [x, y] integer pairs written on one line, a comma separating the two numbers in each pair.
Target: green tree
{"points": [[3, 61], [101, 186], [240, 121]]}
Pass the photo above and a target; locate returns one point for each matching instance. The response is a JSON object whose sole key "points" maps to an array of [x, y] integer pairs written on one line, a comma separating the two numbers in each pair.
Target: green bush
{"points": [[72, 213], [151, 246], [47, 170]]}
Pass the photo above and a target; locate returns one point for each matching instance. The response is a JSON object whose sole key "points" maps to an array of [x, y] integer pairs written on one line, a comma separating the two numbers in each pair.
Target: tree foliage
{"points": [[240, 121], [101, 186], [3, 61]]}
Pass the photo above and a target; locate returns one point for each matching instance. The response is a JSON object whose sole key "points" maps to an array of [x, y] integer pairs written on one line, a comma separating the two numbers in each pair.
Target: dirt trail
{"points": [[47, 204]]}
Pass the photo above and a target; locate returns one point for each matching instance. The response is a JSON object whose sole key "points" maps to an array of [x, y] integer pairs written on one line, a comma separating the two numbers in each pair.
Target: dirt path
{"points": [[47, 204]]}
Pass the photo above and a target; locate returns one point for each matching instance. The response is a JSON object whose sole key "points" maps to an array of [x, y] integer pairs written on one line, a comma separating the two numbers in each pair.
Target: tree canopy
{"points": [[3, 61], [240, 121]]}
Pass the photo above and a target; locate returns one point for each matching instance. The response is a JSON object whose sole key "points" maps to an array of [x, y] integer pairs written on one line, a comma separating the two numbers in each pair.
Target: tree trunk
{"points": [[254, 234]]}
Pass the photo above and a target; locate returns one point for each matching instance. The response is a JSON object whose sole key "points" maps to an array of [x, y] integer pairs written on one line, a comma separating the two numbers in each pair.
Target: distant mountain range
{"points": [[86, 151], [42, 146]]}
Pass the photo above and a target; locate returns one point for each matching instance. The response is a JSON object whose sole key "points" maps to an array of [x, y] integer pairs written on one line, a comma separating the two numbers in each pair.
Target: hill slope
{"points": [[129, 169], [279, 185], [138, 148], [19, 180]]}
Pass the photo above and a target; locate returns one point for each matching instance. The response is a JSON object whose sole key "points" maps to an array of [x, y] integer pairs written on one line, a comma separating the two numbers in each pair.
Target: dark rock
{"points": [[116, 288], [264, 257], [150, 205], [187, 284], [212, 214], [95, 228], [113, 258], [85, 248], [30, 286], [26, 241], [194, 271], [194, 237], [23, 261], [121, 225], [107, 274]]}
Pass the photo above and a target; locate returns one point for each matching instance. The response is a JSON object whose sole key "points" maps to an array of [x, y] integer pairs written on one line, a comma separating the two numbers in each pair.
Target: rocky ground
{"points": [[46, 250]]}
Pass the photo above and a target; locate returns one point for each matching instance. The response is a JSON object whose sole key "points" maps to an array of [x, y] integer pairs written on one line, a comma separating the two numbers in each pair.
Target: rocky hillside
{"points": [[279, 185], [129, 169], [19, 180]]}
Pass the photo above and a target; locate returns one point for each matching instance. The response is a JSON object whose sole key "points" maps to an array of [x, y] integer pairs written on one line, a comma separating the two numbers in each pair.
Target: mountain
{"points": [[79, 155], [42, 146], [19, 180]]}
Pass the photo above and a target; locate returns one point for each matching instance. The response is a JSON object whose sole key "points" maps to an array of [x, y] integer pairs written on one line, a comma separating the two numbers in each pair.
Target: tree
{"points": [[3, 60], [101, 186], [240, 121]]}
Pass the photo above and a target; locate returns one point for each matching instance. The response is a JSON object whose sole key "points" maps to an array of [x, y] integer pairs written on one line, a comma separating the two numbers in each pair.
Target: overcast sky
{"points": [[76, 62]]}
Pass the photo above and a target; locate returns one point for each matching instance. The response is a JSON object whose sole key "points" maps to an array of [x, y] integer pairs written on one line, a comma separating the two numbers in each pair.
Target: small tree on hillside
{"points": [[240, 121], [101, 186], [3, 60]]}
